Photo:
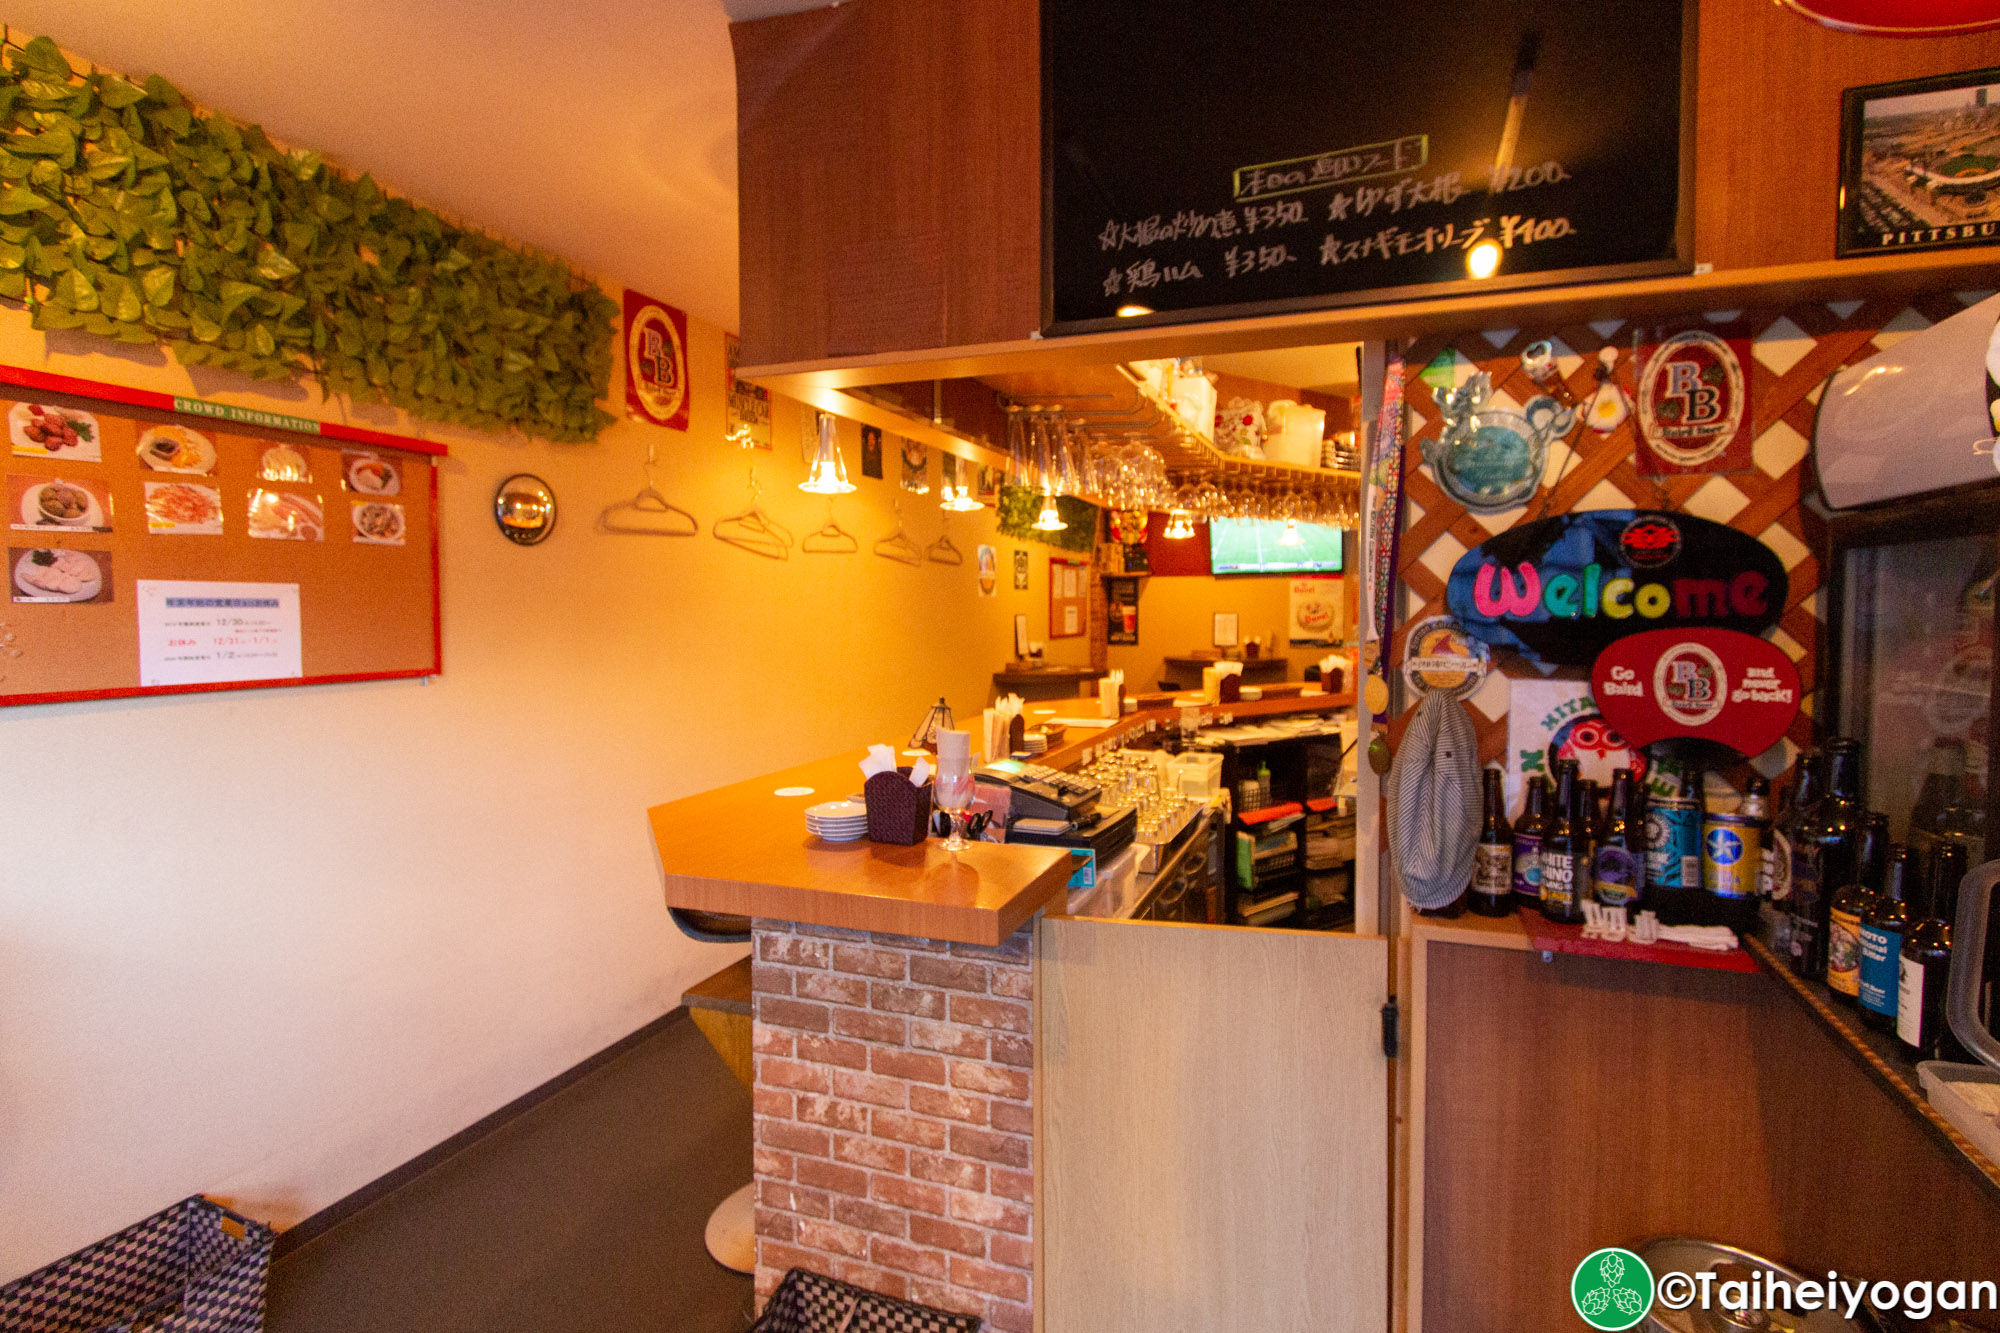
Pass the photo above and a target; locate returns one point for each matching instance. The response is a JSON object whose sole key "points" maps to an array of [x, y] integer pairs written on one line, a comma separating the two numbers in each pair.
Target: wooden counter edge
{"points": [[953, 923]]}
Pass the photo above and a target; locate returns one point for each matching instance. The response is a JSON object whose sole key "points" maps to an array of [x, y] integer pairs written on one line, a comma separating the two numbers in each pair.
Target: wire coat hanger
{"points": [[647, 514], [943, 551], [832, 539], [753, 530], [897, 545]]}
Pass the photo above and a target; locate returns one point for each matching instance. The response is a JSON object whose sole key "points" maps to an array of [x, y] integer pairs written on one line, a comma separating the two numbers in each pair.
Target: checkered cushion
{"points": [[180, 1270], [808, 1302]]}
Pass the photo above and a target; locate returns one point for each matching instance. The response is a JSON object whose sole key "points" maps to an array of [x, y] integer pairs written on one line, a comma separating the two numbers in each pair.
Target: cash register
{"points": [[1050, 808]]}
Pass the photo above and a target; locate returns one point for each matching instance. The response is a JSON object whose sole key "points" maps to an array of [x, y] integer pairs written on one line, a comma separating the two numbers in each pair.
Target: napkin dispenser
{"points": [[1197, 775]]}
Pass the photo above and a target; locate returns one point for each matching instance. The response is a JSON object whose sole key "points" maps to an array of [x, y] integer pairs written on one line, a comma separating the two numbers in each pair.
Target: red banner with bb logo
{"points": [[1711, 684]]}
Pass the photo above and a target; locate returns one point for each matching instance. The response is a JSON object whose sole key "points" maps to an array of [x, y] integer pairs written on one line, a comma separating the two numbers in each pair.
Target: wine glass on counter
{"points": [[953, 785]]}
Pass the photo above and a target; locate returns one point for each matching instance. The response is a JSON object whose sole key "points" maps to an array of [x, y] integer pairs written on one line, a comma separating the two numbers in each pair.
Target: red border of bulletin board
{"points": [[361, 593]]}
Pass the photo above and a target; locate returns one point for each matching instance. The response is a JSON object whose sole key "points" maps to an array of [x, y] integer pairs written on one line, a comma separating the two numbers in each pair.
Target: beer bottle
{"points": [[1854, 902], [1804, 793], [1559, 900], [1673, 852], [1583, 840], [1823, 856], [1920, 977], [1528, 844], [1882, 932], [1944, 785], [1617, 878], [1493, 858]]}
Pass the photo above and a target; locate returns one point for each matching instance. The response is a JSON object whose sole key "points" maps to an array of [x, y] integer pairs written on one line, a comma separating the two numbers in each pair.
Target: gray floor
{"points": [[583, 1215]]}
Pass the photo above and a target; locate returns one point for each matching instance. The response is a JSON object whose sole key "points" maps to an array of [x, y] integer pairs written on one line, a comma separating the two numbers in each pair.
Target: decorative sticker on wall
{"points": [[656, 378], [1489, 458], [1563, 589], [1439, 656], [1694, 406]]}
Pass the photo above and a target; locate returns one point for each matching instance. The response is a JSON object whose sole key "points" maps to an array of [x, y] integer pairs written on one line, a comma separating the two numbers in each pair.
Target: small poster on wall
{"points": [[1020, 571], [1694, 406], [1315, 610], [1558, 719], [656, 381], [749, 404], [871, 452], [204, 633], [916, 467], [989, 571], [1121, 598]]}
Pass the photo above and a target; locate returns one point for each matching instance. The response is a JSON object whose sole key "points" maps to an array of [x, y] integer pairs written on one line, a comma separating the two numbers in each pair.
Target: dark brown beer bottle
{"points": [[1559, 843], [1920, 1021], [1493, 858], [1851, 907]]}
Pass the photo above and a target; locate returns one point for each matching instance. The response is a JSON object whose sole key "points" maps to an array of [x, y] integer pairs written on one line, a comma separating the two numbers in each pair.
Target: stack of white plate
{"points": [[1034, 742], [837, 821]]}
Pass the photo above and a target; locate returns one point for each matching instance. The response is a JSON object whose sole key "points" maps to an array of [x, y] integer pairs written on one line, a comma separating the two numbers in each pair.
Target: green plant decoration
{"points": [[1019, 505], [126, 213]]}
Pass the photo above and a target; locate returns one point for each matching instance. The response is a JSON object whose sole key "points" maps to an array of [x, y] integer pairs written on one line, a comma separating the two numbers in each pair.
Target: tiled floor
{"points": [[583, 1215]]}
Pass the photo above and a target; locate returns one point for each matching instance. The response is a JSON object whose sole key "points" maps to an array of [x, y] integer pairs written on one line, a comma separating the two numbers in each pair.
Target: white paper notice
{"points": [[203, 633], [1070, 623]]}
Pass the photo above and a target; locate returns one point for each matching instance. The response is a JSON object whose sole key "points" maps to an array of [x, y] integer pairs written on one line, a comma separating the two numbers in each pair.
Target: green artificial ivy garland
{"points": [[1019, 506], [125, 213]]}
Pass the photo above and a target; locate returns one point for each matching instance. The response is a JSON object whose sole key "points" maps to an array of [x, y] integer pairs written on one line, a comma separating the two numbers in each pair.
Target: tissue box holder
{"points": [[897, 812]]}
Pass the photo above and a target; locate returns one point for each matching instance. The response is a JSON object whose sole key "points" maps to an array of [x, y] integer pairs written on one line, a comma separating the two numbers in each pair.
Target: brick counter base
{"points": [[894, 1116]]}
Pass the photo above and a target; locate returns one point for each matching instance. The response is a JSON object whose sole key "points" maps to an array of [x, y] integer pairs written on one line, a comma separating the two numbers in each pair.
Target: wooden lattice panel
{"points": [[1794, 350]]}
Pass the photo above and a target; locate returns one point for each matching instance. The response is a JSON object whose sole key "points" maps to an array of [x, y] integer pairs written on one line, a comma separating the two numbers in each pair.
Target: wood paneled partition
{"points": [[1578, 1103]]}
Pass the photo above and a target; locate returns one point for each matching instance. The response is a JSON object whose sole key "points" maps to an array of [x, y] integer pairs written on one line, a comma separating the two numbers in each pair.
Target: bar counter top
{"points": [[744, 849]]}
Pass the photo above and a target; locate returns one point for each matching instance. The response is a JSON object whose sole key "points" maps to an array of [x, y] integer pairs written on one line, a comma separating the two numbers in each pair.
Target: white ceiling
{"points": [[602, 132]]}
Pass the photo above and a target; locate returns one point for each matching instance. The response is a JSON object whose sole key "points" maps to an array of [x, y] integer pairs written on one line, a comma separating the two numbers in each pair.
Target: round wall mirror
{"points": [[525, 508]]}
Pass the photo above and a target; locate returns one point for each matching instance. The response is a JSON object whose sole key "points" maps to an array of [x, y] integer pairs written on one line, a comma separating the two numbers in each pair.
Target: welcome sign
{"points": [[1562, 590]]}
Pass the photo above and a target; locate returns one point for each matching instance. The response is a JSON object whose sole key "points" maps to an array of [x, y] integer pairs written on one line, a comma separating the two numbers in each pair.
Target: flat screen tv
{"points": [[1251, 546]]}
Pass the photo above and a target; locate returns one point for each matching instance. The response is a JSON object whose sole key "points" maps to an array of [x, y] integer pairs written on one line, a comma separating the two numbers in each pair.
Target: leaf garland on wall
{"points": [[1019, 505], [126, 213]]}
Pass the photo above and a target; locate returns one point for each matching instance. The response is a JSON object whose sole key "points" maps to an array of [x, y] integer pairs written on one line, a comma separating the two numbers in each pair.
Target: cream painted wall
{"points": [[270, 944], [1177, 616]]}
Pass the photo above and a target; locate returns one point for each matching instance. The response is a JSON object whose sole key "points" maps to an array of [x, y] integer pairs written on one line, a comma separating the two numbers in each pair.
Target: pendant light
{"points": [[956, 492], [828, 475], [1180, 525], [1290, 536], [1049, 520]]}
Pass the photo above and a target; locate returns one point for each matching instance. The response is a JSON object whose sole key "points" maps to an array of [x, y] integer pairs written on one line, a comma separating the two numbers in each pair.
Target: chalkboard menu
{"points": [[1270, 154]]}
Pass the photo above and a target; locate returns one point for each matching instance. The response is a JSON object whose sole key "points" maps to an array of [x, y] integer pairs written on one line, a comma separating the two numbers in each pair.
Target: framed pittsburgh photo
{"points": [[1920, 164]]}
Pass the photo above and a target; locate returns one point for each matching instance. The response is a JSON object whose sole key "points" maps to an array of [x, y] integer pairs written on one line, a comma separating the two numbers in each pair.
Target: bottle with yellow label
{"points": [[1854, 904]]}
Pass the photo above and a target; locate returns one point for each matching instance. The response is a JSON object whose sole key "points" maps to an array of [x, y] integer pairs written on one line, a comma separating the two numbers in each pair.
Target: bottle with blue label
{"points": [[1620, 879], [1528, 844], [1882, 932]]}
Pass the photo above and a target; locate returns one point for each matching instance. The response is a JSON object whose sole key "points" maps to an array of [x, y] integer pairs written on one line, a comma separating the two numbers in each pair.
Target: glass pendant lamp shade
{"points": [[1180, 525], [1049, 520], [1290, 536], [828, 475]]}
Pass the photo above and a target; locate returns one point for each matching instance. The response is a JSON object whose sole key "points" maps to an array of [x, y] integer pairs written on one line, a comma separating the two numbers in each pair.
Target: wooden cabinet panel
{"points": [[1581, 1103], [889, 158], [1767, 123], [889, 165]]}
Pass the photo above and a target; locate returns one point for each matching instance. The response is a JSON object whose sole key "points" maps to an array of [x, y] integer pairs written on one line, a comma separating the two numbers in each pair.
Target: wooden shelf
{"points": [[1881, 1057], [1647, 298]]}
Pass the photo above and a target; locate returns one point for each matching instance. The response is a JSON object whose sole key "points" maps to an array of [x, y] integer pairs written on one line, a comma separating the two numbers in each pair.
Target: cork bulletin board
{"points": [[1792, 352], [153, 551]]}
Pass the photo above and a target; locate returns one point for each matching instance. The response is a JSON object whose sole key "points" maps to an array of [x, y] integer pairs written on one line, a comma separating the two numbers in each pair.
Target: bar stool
{"points": [[720, 1007]]}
